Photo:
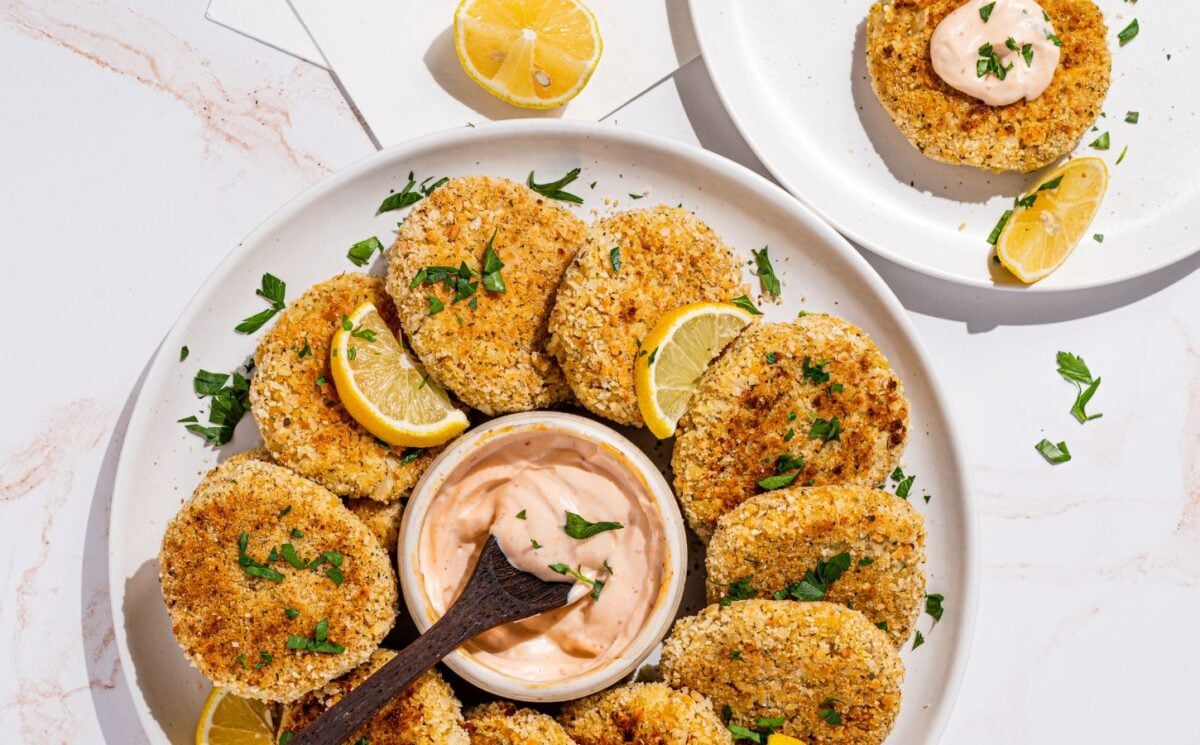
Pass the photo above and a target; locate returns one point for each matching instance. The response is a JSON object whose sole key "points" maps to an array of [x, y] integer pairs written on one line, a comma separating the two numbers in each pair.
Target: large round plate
{"points": [[306, 242], [793, 76]]}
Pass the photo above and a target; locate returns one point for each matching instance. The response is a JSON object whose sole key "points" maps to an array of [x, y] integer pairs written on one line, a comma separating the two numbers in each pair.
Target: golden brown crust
{"points": [[296, 405], [504, 723], [426, 713], [644, 714], [948, 125], [224, 619], [777, 658], [383, 520], [774, 538], [668, 258], [493, 356], [738, 422]]}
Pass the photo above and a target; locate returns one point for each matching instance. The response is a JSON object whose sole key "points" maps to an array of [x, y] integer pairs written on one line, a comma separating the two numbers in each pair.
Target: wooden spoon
{"points": [[497, 593]]}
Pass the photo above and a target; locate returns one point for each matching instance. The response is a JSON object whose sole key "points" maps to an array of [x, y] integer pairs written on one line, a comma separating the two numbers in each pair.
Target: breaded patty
{"points": [[948, 125], [776, 658], [503, 723], [774, 539], [426, 713], [489, 349], [296, 406], [229, 583], [816, 389], [383, 520], [644, 714], [667, 258]]}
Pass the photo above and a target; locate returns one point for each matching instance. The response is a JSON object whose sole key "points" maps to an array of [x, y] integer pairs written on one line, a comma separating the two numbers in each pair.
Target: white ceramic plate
{"points": [[793, 76], [306, 242]]}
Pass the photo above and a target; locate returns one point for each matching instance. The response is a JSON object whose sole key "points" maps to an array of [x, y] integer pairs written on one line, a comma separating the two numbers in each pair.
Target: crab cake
{"points": [[773, 540], [502, 723], [632, 268], [229, 579], [948, 125], [383, 520], [644, 714], [426, 713], [813, 397], [296, 406], [776, 658], [488, 344]]}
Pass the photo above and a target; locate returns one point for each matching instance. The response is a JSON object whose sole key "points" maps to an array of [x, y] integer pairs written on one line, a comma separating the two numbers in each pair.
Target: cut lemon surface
{"points": [[385, 389], [1048, 221], [231, 720], [678, 350], [536, 54], [777, 739]]}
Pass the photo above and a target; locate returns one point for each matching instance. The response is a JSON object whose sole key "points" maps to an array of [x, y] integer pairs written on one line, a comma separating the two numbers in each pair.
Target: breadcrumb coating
{"points": [[235, 627], [948, 125], [778, 658], [644, 714], [383, 520], [503, 723], [768, 396], [488, 349], [425, 713], [296, 406], [773, 539], [668, 258]]}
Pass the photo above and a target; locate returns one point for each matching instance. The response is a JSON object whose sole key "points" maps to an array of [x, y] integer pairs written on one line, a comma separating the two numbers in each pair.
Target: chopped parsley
{"points": [[772, 358], [305, 351], [183, 353], [534, 543], [985, 12], [272, 290], [815, 583], [933, 605], [435, 306], [1073, 369], [866, 561], [1054, 453], [492, 265], [596, 585], [766, 273], [360, 253], [554, 189], [1101, 143], [636, 196], [252, 567], [904, 483], [1132, 117], [1055, 39], [814, 374], [1098, 237], [1051, 184], [787, 468], [409, 195], [521, 515], [266, 659], [778, 481], [653, 354], [284, 512], [318, 643], [736, 655], [1121, 157], [989, 63], [825, 430], [995, 234], [827, 711], [291, 612], [918, 640], [882, 625], [580, 529], [746, 304], [1128, 33], [614, 258], [739, 589], [229, 400], [1025, 50]]}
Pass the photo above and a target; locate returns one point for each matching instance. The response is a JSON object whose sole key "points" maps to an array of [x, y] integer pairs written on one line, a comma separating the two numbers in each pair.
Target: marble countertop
{"points": [[144, 142]]}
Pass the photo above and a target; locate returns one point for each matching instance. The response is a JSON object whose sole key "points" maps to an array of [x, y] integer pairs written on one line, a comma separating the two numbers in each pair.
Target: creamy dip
{"points": [[519, 486], [1020, 61]]}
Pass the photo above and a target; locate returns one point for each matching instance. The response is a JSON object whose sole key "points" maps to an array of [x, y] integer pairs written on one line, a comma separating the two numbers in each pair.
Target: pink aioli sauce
{"points": [[954, 50], [542, 474]]}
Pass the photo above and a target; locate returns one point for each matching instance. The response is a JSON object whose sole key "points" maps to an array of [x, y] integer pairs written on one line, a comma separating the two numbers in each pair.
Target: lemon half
{"points": [[227, 719]]}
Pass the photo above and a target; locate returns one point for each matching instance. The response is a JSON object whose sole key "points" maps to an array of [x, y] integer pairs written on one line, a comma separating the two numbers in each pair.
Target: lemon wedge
{"points": [[385, 389], [678, 350], [777, 739], [536, 54], [1048, 221], [232, 720]]}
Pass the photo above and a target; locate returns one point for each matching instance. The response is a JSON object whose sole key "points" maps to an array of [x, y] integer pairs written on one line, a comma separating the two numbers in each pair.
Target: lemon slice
{"points": [[1050, 220], [232, 720], [385, 389], [678, 349], [778, 739], [536, 54]]}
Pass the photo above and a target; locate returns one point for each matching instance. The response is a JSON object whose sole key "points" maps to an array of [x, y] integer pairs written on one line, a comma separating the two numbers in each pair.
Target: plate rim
{"points": [[136, 429], [701, 11]]}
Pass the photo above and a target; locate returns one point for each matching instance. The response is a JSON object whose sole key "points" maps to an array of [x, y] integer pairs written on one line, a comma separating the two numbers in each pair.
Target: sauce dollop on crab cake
{"points": [[273, 587], [986, 53], [808, 402], [632, 268], [473, 272], [425, 713], [866, 547], [296, 405], [644, 713], [776, 658]]}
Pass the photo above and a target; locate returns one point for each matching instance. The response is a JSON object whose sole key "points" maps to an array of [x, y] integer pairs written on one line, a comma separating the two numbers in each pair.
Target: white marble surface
{"points": [[143, 141]]}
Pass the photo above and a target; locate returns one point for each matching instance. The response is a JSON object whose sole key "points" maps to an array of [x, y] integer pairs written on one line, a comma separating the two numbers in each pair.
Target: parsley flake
{"points": [[1054, 453], [554, 189], [766, 273], [739, 589], [360, 253], [1074, 370], [272, 290], [1128, 33], [747, 305], [581, 529], [985, 12], [614, 258], [815, 583]]}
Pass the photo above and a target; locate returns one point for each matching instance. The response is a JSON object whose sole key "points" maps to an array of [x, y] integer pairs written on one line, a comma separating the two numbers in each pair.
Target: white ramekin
{"points": [[657, 624]]}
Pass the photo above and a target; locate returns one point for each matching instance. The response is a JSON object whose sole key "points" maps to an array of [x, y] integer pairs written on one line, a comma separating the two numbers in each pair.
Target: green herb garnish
{"points": [[815, 583], [995, 234], [595, 584], [933, 605], [1128, 33], [1075, 370], [318, 643], [827, 711], [580, 529], [766, 273], [410, 194], [521, 515], [918, 640], [746, 304], [825, 430], [360, 253], [1132, 117], [492, 265], [1054, 453], [554, 189], [814, 373], [614, 258], [986, 11], [435, 306], [740, 589], [272, 290], [229, 400], [1101, 142], [183, 353]]}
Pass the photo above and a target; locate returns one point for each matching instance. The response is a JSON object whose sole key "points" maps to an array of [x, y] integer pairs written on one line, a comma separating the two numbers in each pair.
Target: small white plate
{"points": [[306, 241], [793, 76]]}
